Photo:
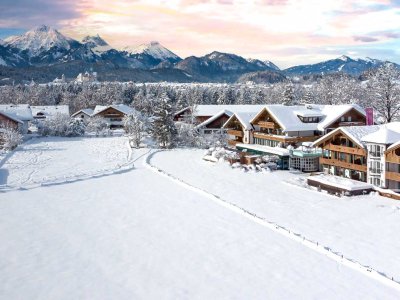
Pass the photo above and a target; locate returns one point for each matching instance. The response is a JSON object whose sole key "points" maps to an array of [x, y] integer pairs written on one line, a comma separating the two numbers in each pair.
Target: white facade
{"points": [[376, 164]]}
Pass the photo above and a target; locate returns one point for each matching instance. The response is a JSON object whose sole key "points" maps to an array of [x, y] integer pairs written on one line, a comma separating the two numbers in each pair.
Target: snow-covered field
{"points": [[140, 235], [53, 159], [365, 228]]}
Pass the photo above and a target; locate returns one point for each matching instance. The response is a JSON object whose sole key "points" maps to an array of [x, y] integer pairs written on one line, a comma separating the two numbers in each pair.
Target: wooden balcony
{"points": [[234, 142], [391, 157], [285, 139], [344, 149], [344, 124], [265, 124], [342, 164], [393, 176], [237, 133]]}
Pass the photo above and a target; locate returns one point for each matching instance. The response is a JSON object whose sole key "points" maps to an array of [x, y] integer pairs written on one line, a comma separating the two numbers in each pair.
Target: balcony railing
{"points": [[266, 124], [350, 123], [392, 176], [234, 142], [345, 149], [343, 164], [235, 132]]}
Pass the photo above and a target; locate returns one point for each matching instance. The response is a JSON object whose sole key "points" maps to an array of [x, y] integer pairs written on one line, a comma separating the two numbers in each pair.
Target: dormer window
{"points": [[308, 119]]}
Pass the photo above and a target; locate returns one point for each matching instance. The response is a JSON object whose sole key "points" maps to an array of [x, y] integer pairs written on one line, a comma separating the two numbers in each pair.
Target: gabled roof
{"points": [[211, 110], [244, 118], [125, 109], [215, 117], [10, 116], [21, 112], [287, 116], [50, 110], [387, 134], [355, 133], [86, 111]]}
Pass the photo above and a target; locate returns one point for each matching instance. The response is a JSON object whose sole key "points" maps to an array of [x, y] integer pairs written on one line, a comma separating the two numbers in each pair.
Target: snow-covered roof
{"points": [[287, 116], [125, 109], [215, 117], [86, 111], [273, 150], [19, 111], [10, 116], [387, 134], [211, 110], [340, 182], [244, 118], [49, 110], [355, 133]]}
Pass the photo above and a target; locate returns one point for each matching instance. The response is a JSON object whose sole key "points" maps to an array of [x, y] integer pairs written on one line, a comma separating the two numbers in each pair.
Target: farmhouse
{"points": [[83, 114], [113, 114], [42, 112], [21, 112]]}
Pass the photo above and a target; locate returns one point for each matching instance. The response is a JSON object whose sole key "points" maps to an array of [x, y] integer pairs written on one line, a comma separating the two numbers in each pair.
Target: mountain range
{"points": [[44, 53]]}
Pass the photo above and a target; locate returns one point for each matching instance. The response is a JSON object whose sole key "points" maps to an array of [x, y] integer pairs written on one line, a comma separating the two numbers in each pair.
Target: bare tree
{"points": [[384, 91]]}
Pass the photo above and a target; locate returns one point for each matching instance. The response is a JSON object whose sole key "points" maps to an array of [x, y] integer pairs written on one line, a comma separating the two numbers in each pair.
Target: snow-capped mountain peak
{"points": [[344, 58], [38, 40], [96, 43], [154, 49], [95, 40]]}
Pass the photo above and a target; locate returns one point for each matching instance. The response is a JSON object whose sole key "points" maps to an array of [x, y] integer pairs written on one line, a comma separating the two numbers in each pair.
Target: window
{"points": [[342, 119], [349, 118]]}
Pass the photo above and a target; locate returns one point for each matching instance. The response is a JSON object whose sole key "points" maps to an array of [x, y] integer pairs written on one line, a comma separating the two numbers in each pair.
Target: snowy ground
{"points": [[365, 228], [52, 159], [139, 235]]}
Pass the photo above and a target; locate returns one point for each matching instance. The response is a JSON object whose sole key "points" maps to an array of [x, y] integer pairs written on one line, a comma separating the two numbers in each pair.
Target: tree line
{"points": [[379, 89]]}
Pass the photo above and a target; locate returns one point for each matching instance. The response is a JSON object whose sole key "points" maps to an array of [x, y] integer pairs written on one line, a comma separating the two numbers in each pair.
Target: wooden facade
{"points": [[6, 121], [185, 114], [235, 131], [219, 122], [343, 157], [352, 118], [392, 173]]}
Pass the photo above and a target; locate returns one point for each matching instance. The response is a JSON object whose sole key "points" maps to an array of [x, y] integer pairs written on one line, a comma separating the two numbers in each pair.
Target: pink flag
{"points": [[369, 111]]}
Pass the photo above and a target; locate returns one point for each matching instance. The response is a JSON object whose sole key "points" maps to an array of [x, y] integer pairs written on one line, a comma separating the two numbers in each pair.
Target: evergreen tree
{"points": [[163, 126]]}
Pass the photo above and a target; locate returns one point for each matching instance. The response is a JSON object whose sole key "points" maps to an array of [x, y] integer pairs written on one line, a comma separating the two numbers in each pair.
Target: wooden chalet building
{"points": [[113, 114], [200, 113], [275, 128], [239, 129], [214, 124], [365, 153], [280, 125], [392, 171]]}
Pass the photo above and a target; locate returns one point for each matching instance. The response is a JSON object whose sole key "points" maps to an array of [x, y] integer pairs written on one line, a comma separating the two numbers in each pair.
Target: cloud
{"points": [[265, 29], [365, 39]]}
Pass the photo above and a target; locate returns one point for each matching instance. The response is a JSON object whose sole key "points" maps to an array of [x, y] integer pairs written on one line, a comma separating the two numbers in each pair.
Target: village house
{"points": [[42, 112], [83, 114], [365, 153], [113, 114], [20, 112], [8, 120]]}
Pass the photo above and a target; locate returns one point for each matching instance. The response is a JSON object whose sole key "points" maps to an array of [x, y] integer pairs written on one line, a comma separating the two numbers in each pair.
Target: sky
{"points": [[287, 32]]}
